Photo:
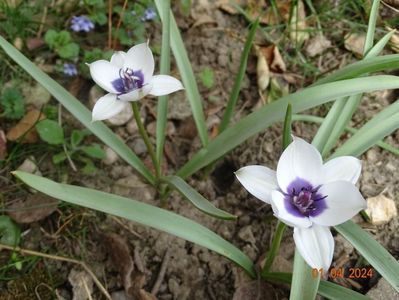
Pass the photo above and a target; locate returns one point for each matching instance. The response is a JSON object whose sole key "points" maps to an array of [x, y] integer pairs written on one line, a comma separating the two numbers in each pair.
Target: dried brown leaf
{"points": [[394, 42], [317, 45], [25, 128], [262, 71], [282, 14], [33, 208], [298, 26], [225, 5], [33, 43]]}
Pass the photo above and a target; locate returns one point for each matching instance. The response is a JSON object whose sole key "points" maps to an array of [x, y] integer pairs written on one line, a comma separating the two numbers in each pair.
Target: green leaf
{"points": [[50, 38], [77, 137], [372, 251], [13, 104], [287, 127], [162, 104], [304, 285], [50, 132], [187, 75], [68, 51], [197, 199], [142, 213], [327, 289], [207, 77], [59, 158], [94, 151], [77, 109], [10, 233], [238, 80], [274, 112]]}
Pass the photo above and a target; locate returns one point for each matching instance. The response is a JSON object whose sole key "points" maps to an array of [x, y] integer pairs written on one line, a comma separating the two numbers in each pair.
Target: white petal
{"points": [[343, 202], [259, 181], [118, 59], [104, 73], [299, 160], [136, 95], [316, 245], [140, 57], [106, 107], [288, 215], [164, 85], [346, 168]]}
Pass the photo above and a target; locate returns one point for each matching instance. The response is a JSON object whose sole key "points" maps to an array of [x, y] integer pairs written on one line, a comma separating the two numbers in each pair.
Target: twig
{"points": [[138, 261], [162, 272], [117, 220], [120, 21], [87, 290], [42, 21], [60, 258]]}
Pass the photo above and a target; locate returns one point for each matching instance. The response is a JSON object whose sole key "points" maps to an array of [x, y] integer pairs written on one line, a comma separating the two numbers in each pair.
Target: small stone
{"points": [[122, 118], [179, 107], [132, 128], [29, 166], [139, 146], [354, 42], [382, 291], [280, 264], [381, 209], [372, 155], [246, 235], [110, 156], [132, 186]]}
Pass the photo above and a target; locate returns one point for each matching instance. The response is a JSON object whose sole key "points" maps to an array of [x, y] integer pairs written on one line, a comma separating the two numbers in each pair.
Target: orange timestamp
{"points": [[353, 273]]}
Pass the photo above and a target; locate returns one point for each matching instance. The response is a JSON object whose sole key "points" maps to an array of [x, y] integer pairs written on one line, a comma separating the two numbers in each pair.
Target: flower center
{"points": [[303, 199], [128, 81]]}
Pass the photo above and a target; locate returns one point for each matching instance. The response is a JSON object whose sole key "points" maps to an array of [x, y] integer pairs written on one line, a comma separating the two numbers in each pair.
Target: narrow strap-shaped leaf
{"points": [[162, 105], [327, 289], [362, 140], [315, 119], [368, 44], [187, 75], [376, 64], [304, 285], [77, 109], [240, 76], [196, 198], [372, 251], [274, 112], [141, 213], [338, 119]]}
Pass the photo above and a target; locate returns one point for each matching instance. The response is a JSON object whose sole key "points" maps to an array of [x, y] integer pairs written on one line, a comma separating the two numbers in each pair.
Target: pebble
{"points": [[246, 235], [110, 156], [382, 291]]}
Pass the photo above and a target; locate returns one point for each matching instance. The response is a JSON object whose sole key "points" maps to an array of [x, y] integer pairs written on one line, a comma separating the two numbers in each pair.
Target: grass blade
{"points": [[303, 286], [240, 76], [372, 251], [78, 110], [197, 199], [142, 213], [368, 44], [274, 112], [162, 105], [327, 289], [187, 74]]}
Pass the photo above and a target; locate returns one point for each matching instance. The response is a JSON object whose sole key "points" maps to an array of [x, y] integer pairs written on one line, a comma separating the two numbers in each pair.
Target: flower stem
{"points": [[274, 248], [144, 135]]}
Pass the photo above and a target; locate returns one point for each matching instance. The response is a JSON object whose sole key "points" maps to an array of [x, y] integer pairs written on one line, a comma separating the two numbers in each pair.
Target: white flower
{"points": [[128, 77], [308, 195]]}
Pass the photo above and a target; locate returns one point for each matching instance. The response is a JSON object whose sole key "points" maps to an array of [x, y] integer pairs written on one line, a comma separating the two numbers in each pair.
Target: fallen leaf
{"points": [[29, 165], [82, 284], [3, 145], [280, 14], [18, 43], [274, 59], [262, 71], [354, 42], [317, 45], [33, 208], [298, 27], [394, 41], [226, 6], [25, 128], [119, 251], [381, 209]]}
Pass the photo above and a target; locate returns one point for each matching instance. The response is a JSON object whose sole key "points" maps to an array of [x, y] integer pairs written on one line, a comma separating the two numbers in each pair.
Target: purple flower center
{"points": [[128, 81], [304, 200]]}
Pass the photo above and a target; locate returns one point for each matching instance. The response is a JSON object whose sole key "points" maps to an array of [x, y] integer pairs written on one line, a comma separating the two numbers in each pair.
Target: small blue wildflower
{"points": [[81, 23], [70, 69], [149, 14]]}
